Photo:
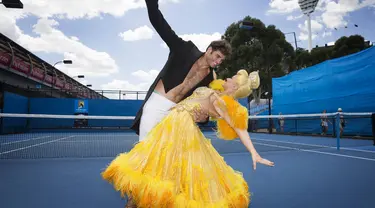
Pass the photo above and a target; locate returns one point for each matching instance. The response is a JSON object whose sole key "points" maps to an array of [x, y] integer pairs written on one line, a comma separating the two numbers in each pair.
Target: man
{"points": [[186, 69], [342, 122]]}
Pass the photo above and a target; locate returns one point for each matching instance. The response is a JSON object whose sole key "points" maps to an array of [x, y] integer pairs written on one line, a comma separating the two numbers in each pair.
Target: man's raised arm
{"points": [[161, 25]]}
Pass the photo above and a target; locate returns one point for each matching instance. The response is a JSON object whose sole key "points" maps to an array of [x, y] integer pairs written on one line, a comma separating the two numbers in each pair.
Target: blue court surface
{"points": [[62, 170]]}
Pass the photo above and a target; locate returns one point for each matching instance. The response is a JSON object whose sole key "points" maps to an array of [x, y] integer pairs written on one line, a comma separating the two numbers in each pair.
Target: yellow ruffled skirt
{"points": [[175, 167]]}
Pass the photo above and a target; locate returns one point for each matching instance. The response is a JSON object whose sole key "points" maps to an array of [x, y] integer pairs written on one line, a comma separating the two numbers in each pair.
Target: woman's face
{"points": [[230, 84]]}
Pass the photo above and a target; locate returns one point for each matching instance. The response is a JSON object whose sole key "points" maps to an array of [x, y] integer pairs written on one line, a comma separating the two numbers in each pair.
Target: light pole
{"points": [[269, 96], [54, 72], [79, 76], [308, 7], [295, 39], [64, 62]]}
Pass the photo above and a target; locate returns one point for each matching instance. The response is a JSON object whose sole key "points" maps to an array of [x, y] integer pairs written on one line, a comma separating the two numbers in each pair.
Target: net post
{"points": [[337, 125], [1, 122], [373, 127]]}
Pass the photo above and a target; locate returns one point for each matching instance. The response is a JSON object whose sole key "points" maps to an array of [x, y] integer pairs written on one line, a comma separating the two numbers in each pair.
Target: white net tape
{"points": [[315, 115]]}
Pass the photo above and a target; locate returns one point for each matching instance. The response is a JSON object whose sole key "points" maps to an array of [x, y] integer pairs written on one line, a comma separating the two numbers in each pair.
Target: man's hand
{"points": [[200, 116], [173, 41]]}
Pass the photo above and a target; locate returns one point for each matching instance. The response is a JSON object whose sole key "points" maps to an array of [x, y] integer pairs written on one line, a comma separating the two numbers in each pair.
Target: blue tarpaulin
{"points": [[347, 82]]}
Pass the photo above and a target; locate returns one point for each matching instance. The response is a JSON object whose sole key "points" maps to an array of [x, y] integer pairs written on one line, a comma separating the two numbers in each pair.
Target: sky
{"points": [[114, 45]]}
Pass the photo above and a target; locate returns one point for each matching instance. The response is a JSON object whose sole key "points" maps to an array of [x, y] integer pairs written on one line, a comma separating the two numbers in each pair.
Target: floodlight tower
{"points": [[308, 7], [12, 4]]}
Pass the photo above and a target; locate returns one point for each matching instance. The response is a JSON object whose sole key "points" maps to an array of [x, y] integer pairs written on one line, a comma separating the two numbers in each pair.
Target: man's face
{"points": [[214, 58]]}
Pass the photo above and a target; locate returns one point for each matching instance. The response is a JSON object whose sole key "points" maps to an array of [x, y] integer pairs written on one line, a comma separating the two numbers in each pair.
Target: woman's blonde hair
{"points": [[246, 83]]}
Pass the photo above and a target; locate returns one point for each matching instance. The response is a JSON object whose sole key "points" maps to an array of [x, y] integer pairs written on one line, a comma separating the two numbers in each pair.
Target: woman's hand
{"points": [[258, 159]]}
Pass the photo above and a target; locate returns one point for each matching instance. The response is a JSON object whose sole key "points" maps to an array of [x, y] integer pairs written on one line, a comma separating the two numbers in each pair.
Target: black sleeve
{"points": [[161, 25]]}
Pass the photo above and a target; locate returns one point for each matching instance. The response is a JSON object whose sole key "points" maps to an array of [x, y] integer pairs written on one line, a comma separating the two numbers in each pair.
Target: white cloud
{"points": [[47, 38], [140, 33], [305, 36], [326, 34], [8, 22], [333, 11], [201, 40], [82, 81], [146, 78], [51, 40], [74, 9], [315, 26], [121, 89], [283, 6], [329, 14], [331, 43], [125, 85], [291, 17]]}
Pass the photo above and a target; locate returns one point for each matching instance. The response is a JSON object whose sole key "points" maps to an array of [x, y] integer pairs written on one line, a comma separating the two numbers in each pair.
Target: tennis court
{"points": [[63, 170]]}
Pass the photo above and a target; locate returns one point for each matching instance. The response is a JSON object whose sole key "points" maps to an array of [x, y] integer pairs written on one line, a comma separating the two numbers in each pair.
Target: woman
{"points": [[281, 122], [176, 166], [324, 122]]}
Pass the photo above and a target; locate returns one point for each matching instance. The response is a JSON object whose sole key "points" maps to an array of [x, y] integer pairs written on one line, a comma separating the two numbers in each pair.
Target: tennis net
{"points": [[32, 136], [329, 124]]}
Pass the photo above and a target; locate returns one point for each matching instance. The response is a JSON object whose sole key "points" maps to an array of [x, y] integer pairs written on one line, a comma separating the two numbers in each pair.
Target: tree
{"points": [[265, 48], [348, 45], [262, 48], [343, 46], [302, 59], [319, 55]]}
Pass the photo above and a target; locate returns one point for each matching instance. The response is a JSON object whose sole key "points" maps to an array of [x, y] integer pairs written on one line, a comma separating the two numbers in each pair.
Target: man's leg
{"points": [[153, 112]]}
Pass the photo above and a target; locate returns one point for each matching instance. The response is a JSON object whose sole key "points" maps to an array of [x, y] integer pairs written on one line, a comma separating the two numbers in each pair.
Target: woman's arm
{"points": [[245, 139], [219, 106]]}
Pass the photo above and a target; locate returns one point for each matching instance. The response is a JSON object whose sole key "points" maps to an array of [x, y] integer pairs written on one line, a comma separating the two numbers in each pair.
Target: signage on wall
{"points": [[81, 107]]}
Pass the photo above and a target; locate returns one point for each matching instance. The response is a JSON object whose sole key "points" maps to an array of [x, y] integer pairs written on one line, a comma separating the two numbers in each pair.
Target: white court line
{"points": [[93, 135], [36, 138], [35, 145], [104, 135], [93, 141], [313, 151], [314, 145], [319, 152]]}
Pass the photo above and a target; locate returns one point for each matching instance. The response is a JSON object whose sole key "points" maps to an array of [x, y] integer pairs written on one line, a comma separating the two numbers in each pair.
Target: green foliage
{"points": [[262, 48], [343, 46], [265, 48]]}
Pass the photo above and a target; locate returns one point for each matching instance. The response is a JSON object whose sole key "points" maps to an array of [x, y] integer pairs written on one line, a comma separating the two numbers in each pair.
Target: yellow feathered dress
{"points": [[176, 166]]}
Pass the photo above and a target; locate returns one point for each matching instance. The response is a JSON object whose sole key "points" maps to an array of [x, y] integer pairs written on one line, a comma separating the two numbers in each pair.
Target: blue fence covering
{"points": [[14, 103], [347, 82]]}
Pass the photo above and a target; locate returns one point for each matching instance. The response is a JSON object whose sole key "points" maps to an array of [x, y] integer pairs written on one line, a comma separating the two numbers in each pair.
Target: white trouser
{"points": [[153, 112]]}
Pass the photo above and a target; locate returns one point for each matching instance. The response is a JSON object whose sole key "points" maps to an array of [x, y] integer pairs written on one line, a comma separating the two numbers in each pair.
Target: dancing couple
{"points": [[174, 164]]}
